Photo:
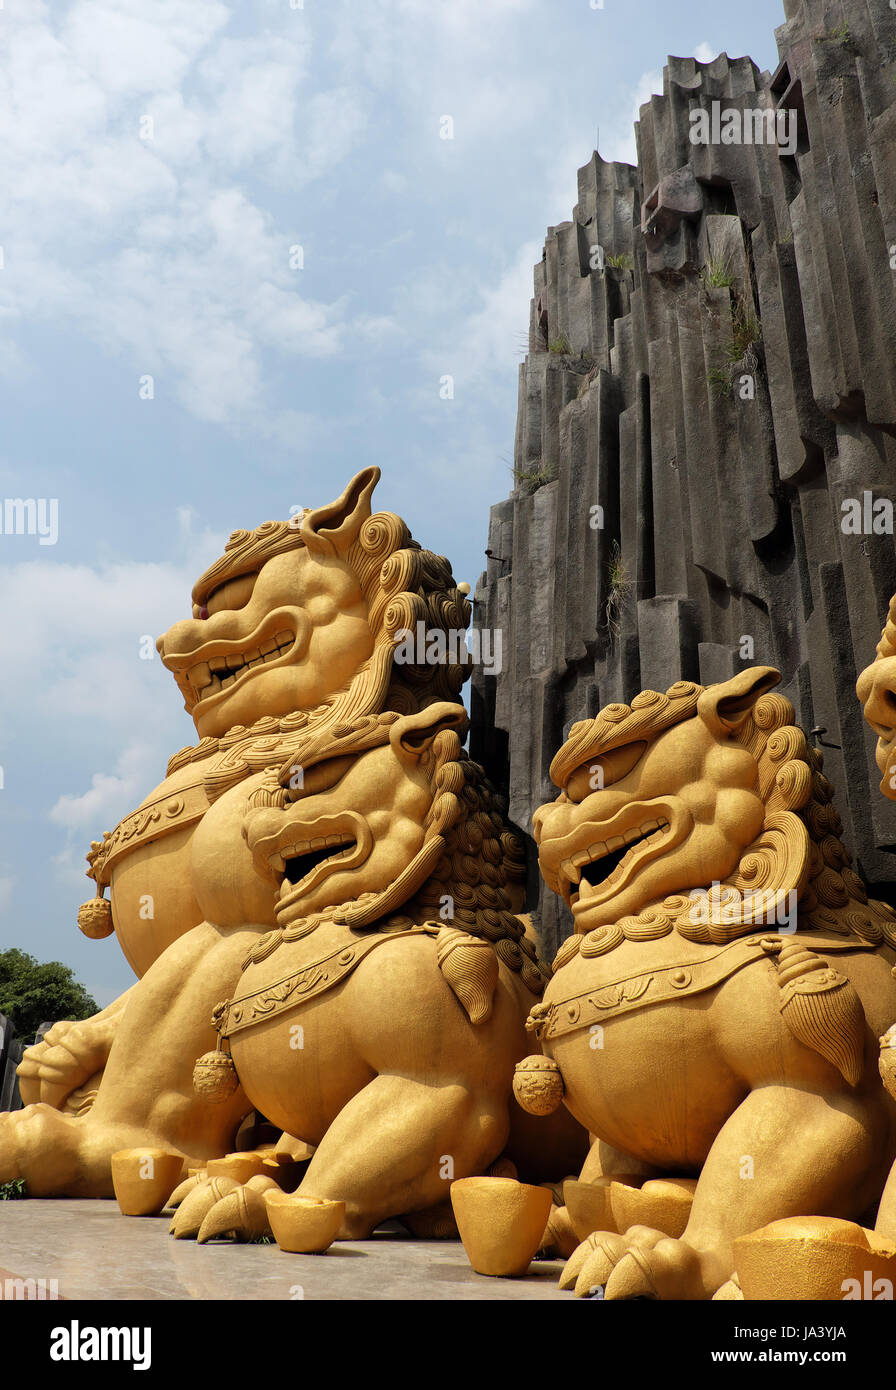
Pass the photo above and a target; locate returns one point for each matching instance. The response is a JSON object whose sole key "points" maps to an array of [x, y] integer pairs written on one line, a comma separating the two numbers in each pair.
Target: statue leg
{"points": [[57, 1153], [784, 1152], [70, 1054], [398, 1144], [146, 1095]]}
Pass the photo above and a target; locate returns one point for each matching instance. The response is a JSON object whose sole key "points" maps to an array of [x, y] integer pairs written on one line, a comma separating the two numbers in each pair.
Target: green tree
{"points": [[32, 994]]}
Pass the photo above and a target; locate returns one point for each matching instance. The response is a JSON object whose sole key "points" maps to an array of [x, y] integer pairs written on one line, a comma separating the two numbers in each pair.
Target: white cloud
{"points": [[619, 142], [110, 795], [704, 53], [492, 335], [72, 642], [152, 246]]}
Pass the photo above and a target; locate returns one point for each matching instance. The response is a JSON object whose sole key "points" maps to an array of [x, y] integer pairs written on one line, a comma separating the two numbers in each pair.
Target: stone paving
{"points": [[93, 1252]]}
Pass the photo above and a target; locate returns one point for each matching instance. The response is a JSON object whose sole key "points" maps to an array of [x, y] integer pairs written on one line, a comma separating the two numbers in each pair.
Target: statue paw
{"points": [[590, 1265], [70, 1054], [195, 1205], [643, 1263], [662, 1269], [210, 1208]]}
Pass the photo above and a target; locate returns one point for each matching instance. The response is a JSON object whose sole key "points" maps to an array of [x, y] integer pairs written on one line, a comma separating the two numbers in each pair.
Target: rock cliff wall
{"points": [[711, 375]]}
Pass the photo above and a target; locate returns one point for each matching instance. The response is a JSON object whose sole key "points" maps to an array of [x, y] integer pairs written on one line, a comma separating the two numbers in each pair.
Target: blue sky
{"points": [[124, 256]]}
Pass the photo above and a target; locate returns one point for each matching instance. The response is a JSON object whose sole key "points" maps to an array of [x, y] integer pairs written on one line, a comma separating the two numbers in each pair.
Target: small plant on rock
{"points": [[719, 381], [619, 588], [717, 274]]}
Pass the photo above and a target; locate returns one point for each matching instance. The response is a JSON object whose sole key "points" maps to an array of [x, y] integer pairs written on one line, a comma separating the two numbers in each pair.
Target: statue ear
{"points": [[723, 708], [411, 735], [332, 529]]}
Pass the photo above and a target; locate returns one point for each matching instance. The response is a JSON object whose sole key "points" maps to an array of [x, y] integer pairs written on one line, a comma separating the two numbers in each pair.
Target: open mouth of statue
{"points": [[300, 860], [207, 678], [604, 867], [305, 855]]}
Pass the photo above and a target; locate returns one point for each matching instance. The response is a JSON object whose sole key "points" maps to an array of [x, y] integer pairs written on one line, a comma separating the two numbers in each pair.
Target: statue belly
{"points": [[154, 879], [656, 1087], [151, 886], [299, 1067]]}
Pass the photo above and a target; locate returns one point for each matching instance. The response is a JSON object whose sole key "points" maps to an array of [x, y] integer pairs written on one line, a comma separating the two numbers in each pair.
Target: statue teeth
{"points": [[571, 871]]}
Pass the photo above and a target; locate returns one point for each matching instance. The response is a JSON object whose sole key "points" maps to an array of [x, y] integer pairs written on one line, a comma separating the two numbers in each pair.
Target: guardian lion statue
{"points": [[334, 869], [716, 1013]]}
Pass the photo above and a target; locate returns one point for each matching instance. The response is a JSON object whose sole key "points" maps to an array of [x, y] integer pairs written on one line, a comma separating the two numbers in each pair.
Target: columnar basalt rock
{"points": [[709, 379]]}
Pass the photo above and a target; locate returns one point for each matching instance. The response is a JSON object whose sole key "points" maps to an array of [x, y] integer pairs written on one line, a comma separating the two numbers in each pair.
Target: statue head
{"points": [[695, 792], [300, 615], [390, 818]]}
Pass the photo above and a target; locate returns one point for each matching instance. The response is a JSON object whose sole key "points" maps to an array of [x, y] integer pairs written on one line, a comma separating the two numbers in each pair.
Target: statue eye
{"points": [[322, 776], [603, 770], [233, 593]]}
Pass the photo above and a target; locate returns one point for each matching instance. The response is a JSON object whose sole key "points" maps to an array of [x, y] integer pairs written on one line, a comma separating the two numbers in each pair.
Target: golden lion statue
{"points": [[716, 1014], [395, 959], [292, 631], [340, 873]]}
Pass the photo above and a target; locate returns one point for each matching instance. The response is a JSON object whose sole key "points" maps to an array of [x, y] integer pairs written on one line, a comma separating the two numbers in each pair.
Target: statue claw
{"points": [[196, 1206], [242, 1215], [669, 1269], [211, 1207], [643, 1263], [184, 1189], [597, 1254]]}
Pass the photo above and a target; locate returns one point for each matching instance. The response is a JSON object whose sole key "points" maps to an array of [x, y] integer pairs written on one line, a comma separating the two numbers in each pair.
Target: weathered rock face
{"points": [[711, 376]]}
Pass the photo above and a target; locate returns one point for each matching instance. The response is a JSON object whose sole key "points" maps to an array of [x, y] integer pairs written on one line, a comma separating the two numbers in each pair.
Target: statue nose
{"points": [[880, 706]]}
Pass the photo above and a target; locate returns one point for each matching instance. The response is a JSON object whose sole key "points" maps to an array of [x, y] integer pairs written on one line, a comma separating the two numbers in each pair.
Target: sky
{"points": [[238, 258]]}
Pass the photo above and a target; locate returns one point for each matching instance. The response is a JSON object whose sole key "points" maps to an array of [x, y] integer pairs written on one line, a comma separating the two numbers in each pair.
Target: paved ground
{"points": [[93, 1252]]}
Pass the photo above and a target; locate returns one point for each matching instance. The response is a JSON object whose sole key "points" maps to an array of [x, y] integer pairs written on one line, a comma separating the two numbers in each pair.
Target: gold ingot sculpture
{"points": [[501, 1223], [144, 1179], [716, 1012], [334, 940], [301, 1224], [815, 1257]]}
